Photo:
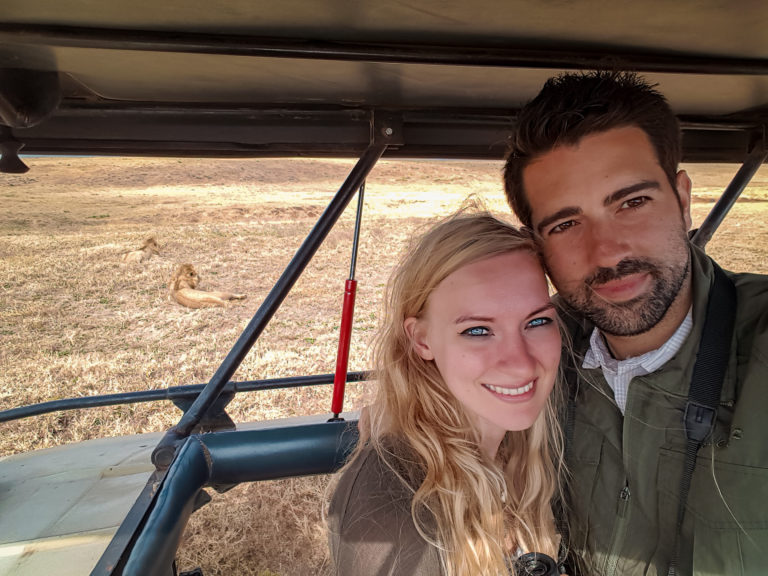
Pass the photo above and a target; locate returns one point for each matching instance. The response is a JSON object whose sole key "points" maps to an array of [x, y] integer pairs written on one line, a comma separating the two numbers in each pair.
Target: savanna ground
{"points": [[75, 321]]}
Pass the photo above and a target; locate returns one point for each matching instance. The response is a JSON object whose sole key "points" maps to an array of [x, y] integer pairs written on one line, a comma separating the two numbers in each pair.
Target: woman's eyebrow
{"points": [[476, 318], [473, 318], [545, 308]]}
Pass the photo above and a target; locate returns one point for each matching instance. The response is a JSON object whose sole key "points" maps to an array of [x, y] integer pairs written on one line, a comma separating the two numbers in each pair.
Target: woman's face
{"points": [[491, 330]]}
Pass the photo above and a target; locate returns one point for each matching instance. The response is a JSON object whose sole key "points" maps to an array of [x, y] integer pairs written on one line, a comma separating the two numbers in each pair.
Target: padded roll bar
{"points": [[230, 458]]}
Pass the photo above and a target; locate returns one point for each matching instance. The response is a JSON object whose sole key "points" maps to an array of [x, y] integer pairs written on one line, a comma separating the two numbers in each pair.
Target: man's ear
{"points": [[683, 189], [416, 331]]}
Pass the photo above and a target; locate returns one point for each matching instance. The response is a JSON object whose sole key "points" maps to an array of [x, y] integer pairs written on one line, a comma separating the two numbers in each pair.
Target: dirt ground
{"points": [[76, 321]]}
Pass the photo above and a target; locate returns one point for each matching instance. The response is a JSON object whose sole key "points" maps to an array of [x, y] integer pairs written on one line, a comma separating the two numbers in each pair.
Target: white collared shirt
{"points": [[619, 373]]}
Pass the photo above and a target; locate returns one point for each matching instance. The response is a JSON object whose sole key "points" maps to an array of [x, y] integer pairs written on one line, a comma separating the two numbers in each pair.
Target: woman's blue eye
{"points": [[540, 322], [476, 331]]}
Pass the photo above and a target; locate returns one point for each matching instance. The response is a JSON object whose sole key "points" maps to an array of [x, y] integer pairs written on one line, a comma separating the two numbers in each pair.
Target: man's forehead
{"points": [[591, 170]]}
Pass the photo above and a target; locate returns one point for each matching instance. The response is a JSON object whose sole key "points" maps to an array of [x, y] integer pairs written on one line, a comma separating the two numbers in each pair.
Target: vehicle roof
{"points": [[241, 78]]}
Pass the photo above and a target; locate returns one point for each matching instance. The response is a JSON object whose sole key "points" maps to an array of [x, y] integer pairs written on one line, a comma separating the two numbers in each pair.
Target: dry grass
{"points": [[74, 321]]}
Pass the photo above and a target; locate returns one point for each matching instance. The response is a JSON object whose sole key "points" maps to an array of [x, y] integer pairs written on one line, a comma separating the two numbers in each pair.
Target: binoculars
{"points": [[536, 564]]}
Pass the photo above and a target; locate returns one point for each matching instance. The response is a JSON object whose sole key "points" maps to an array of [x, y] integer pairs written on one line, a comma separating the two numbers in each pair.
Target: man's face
{"points": [[611, 228]]}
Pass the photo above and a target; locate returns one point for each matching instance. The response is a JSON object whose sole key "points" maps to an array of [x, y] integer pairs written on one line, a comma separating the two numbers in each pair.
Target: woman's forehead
{"points": [[511, 275]]}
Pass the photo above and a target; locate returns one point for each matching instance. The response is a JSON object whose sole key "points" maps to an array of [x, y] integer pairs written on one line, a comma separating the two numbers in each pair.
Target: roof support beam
{"points": [[553, 57]]}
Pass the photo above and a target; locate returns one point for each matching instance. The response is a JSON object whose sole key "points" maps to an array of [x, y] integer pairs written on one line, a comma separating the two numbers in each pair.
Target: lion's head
{"points": [[151, 245], [185, 277]]}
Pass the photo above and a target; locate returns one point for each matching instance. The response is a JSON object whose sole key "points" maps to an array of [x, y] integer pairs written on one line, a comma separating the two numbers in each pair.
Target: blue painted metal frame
{"points": [[232, 458]]}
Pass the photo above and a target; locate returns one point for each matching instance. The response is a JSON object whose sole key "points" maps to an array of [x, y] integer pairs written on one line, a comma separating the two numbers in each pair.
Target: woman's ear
{"points": [[416, 331]]}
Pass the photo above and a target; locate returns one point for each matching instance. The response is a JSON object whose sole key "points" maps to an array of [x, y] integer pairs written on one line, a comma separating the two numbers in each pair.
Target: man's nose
{"points": [[606, 244]]}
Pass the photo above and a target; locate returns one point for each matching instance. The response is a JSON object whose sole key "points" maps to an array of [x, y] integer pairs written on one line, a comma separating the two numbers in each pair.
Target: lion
{"points": [[183, 288], [144, 253]]}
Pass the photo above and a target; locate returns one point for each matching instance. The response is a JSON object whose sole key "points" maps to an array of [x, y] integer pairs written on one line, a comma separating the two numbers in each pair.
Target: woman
{"points": [[457, 477]]}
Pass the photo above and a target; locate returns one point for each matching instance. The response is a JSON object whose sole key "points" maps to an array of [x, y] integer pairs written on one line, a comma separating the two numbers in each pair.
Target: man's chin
{"points": [[631, 318], [622, 330]]}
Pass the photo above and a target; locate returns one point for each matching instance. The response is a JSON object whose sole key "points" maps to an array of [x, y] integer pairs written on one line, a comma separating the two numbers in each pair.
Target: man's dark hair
{"points": [[571, 106]]}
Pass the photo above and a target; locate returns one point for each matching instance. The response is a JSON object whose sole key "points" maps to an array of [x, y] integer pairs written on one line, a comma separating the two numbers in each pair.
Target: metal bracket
{"points": [[699, 421], [215, 418], [387, 129], [10, 163]]}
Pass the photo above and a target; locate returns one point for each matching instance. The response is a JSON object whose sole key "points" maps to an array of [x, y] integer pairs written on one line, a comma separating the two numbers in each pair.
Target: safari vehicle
{"points": [[331, 78]]}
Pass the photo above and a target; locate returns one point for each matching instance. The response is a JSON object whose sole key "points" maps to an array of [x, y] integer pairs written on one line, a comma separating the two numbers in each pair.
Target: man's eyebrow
{"points": [[559, 215], [623, 192], [610, 199]]}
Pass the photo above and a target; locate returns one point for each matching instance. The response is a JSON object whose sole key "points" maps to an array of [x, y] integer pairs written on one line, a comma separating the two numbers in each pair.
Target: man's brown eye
{"points": [[561, 227], [636, 202]]}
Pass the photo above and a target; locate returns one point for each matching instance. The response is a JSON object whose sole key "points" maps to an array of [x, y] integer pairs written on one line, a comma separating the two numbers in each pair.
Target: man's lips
{"points": [[624, 288]]}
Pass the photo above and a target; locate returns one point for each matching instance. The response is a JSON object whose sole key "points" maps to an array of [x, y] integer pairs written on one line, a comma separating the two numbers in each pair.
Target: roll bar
{"points": [[226, 458]]}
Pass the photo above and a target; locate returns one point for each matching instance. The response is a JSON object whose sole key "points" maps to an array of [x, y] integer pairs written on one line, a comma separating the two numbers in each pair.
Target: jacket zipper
{"points": [[620, 532]]}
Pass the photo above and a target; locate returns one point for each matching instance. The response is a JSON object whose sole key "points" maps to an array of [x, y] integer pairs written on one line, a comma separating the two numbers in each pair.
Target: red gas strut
{"points": [[347, 313]]}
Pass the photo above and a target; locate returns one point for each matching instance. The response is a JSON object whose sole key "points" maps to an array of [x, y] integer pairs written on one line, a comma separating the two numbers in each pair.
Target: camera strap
{"points": [[706, 383], [559, 507]]}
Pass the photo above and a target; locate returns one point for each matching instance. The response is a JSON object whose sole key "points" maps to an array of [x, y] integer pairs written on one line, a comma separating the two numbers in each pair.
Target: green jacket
{"points": [[626, 470]]}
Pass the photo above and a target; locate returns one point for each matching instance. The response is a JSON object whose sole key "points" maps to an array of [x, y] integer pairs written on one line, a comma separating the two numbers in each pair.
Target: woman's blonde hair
{"points": [[476, 512]]}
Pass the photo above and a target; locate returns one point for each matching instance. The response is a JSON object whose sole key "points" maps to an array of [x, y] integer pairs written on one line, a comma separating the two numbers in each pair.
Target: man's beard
{"points": [[635, 316]]}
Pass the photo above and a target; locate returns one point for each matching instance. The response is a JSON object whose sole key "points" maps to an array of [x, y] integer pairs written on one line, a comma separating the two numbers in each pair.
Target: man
{"points": [[593, 172]]}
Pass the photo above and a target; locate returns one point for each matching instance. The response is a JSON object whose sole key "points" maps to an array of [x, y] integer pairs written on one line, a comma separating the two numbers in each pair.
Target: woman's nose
{"points": [[515, 354]]}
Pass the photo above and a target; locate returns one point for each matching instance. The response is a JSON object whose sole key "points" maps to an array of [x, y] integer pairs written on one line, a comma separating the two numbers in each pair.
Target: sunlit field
{"points": [[76, 321]]}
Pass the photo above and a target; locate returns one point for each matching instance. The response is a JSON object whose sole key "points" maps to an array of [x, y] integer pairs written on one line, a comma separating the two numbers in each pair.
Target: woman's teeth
{"points": [[510, 391]]}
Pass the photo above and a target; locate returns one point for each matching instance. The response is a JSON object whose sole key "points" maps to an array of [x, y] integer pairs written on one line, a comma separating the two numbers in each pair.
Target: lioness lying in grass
{"points": [[183, 288], [144, 253]]}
